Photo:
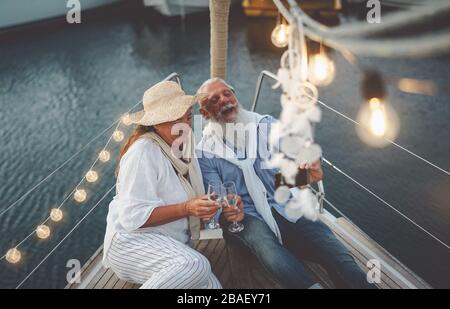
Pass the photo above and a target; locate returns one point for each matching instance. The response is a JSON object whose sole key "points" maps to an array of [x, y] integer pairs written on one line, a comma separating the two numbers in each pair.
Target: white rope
{"points": [[386, 203], [430, 44], [418, 14], [64, 163], [404, 4], [392, 48], [388, 140], [65, 237]]}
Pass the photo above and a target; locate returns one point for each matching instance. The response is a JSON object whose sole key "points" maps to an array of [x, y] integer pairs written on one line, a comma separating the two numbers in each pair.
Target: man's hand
{"points": [[315, 172], [234, 213]]}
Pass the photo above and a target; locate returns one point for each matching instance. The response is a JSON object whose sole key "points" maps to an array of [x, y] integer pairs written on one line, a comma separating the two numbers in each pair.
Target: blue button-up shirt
{"points": [[215, 169]]}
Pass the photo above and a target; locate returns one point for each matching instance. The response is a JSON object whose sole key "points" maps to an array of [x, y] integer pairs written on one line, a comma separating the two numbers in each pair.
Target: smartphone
{"points": [[301, 179]]}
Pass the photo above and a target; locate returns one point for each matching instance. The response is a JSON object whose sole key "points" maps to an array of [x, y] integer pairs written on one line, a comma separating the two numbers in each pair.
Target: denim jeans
{"points": [[303, 240]]}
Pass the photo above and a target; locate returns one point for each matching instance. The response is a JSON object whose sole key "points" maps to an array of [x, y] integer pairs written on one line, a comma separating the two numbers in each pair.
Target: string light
{"points": [[379, 121], [56, 215], [13, 256], [80, 195], [104, 156], [321, 69], [43, 231], [126, 119], [118, 136], [92, 176], [280, 34]]}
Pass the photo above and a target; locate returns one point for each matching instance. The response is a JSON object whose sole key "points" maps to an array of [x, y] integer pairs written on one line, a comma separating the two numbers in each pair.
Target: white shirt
{"points": [[146, 181]]}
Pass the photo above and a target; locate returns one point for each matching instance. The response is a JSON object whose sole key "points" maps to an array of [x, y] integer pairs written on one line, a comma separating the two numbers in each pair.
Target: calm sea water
{"points": [[61, 85]]}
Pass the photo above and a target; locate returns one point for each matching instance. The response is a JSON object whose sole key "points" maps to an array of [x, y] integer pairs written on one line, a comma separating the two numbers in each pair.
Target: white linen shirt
{"points": [[146, 181]]}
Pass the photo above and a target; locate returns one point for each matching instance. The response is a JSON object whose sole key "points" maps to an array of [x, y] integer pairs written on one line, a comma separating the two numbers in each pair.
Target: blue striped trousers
{"points": [[158, 261]]}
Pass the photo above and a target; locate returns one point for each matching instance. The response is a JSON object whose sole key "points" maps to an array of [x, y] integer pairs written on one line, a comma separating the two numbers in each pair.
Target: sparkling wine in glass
{"points": [[215, 195], [230, 197]]}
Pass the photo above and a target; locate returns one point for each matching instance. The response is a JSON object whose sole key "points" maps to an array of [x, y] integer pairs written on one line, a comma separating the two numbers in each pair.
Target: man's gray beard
{"points": [[233, 134]]}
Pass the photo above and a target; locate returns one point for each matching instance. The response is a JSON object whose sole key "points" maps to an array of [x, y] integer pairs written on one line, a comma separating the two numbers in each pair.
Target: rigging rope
{"points": [[63, 164], [65, 237], [385, 203], [390, 141]]}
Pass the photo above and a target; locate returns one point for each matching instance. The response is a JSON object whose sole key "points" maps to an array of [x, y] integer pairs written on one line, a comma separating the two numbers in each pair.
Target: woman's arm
{"points": [[198, 207], [141, 206]]}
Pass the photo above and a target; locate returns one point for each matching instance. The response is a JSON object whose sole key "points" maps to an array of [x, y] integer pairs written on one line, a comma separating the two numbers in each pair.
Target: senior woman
{"points": [[160, 198]]}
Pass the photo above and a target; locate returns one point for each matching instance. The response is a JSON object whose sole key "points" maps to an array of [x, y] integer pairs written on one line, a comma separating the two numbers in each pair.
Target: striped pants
{"points": [[159, 262]]}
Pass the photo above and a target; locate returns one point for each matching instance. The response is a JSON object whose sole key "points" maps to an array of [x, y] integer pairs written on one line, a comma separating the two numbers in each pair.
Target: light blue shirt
{"points": [[215, 169]]}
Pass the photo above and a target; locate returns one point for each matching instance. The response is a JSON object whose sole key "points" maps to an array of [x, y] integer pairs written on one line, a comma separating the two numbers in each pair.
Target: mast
{"points": [[219, 12]]}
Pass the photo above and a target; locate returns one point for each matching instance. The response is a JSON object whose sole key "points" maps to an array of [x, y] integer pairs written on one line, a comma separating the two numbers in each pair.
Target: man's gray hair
{"points": [[212, 81]]}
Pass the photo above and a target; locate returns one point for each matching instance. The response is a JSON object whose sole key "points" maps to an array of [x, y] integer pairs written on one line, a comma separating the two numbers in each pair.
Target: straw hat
{"points": [[164, 102]]}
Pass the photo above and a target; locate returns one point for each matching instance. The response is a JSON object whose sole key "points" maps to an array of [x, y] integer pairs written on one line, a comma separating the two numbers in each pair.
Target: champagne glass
{"points": [[215, 195], [230, 197]]}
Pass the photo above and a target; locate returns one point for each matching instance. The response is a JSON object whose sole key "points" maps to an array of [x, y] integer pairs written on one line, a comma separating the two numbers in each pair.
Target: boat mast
{"points": [[219, 12]]}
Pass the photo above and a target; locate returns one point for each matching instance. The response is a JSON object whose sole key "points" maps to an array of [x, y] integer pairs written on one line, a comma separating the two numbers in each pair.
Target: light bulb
{"points": [[280, 35], [80, 195], [118, 136], [104, 155], [13, 256], [43, 231], [56, 215], [92, 176], [321, 70], [379, 123], [126, 119]]}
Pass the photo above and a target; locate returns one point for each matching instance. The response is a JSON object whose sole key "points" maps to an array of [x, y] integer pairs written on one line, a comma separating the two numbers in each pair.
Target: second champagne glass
{"points": [[230, 197]]}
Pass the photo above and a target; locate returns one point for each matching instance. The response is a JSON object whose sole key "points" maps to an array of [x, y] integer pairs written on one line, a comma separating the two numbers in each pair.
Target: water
{"points": [[61, 85]]}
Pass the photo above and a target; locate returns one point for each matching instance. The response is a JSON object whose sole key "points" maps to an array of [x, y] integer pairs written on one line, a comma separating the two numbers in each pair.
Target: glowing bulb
{"points": [[118, 136], [92, 176], [80, 195], [56, 215], [379, 123], [13, 256], [43, 231], [104, 155], [126, 119], [280, 35], [321, 70]]}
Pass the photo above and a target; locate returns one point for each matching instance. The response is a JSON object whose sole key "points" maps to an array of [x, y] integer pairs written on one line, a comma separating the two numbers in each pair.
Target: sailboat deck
{"points": [[240, 270]]}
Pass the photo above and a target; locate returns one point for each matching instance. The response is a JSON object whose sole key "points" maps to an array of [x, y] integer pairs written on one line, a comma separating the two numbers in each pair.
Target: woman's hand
{"points": [[201, 207], [234, 213]]}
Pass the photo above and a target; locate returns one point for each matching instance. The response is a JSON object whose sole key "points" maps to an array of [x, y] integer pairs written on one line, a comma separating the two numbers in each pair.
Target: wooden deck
{"points": [[239, 270]]}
